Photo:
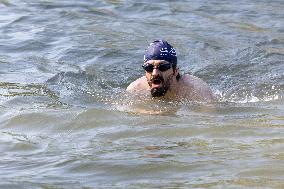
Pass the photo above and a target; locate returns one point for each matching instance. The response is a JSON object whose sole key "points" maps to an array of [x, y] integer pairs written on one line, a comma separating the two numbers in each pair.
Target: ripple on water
{"points": [[67, 122]]}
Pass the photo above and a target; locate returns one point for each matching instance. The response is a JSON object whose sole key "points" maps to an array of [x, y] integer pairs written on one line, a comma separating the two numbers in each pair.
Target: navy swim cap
{"points": [[161, 50]]}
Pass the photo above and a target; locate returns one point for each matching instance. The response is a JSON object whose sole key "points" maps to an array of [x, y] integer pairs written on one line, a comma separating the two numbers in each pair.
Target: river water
{"points": [[67, 122]]}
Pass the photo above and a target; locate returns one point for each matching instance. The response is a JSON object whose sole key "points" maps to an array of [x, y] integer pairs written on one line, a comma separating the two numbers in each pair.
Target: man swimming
{"points": [[162, 77]]}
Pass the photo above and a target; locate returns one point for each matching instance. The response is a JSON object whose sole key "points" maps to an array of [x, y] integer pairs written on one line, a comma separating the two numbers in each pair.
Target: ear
{"points": [[176, 71]]}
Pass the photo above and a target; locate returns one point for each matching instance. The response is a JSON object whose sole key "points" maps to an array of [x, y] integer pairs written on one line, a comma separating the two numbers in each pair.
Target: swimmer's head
{"points": [[161, 50]]}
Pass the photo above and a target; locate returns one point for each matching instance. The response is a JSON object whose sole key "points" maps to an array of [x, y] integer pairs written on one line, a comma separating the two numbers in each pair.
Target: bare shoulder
{"points": [[138, 85], [193, 80], [200, 90]]}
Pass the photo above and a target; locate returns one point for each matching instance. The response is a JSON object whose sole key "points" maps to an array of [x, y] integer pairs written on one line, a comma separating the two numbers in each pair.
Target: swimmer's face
{"points": [[159, 74]]}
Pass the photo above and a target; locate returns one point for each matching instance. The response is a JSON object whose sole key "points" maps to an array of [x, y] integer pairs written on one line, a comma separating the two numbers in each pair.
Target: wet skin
{"points": [[163, 82], [160, 77]]}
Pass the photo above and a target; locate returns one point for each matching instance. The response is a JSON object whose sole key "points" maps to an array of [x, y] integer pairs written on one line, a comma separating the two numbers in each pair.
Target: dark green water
{"points": [[66, 121]]}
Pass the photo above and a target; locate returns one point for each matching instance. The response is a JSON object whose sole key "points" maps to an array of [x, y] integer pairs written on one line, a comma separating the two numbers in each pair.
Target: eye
{"points": [[148, 67], [164, 67]]}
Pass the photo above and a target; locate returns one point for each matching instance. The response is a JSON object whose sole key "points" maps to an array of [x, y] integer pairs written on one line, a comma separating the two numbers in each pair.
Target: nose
{"points": [[155, 71]]}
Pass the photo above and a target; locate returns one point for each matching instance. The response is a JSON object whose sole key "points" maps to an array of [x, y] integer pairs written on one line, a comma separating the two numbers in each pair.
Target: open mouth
{"points": [[157, 81]]}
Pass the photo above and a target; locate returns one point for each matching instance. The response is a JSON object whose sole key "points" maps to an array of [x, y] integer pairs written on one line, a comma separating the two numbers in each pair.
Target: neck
{"points": [[174, 88]]}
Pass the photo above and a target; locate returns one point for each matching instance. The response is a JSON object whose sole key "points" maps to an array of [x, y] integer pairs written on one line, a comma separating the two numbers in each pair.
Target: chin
{"points": [[158, 91]]}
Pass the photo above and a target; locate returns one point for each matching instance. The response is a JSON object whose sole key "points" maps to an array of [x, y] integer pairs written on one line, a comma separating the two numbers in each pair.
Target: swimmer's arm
{"points": [[205, 92], [138, 85], [201, 89], [130, 88]]}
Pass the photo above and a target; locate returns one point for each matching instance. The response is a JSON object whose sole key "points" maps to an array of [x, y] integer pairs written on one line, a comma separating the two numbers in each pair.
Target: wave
{"points": [[251, 75]]}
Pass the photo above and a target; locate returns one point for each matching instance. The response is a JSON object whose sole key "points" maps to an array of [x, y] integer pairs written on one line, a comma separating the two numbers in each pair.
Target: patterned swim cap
{"points": [[161, 50]]}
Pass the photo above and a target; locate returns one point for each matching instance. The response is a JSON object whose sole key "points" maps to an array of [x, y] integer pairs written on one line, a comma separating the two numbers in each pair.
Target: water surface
{"points": [[67, 122]]}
